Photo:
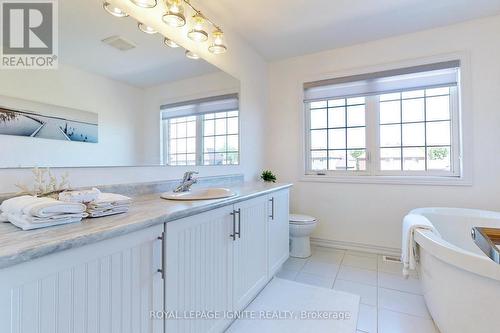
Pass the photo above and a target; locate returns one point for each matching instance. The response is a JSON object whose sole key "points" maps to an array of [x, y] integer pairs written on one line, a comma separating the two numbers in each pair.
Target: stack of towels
{"points": [[28, 212], [98, 204]]}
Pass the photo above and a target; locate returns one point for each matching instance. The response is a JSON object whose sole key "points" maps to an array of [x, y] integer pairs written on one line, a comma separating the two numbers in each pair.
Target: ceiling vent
{"points": [[119, 43]]}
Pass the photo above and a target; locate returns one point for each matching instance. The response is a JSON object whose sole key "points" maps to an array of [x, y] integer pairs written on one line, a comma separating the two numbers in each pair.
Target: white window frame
{"points": [[461, 169], [199, 153]]}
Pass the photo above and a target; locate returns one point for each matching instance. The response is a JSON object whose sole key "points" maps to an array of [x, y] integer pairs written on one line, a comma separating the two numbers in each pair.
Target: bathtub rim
{"points": [[452, 254]]}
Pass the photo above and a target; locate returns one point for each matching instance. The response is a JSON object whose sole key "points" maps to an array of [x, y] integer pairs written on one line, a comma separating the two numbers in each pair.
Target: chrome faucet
{"points": [[187, 182]]}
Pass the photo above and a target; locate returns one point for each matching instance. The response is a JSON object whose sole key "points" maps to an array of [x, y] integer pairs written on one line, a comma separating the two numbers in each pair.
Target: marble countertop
{"points": [[17, 246]]}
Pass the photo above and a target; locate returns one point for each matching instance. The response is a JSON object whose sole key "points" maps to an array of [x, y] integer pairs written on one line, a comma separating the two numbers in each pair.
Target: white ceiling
{"points": [[284, 28], [82, 26]]}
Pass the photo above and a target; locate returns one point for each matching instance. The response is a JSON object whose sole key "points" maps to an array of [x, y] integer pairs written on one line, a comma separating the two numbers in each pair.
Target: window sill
{"points": [[395, 180]]}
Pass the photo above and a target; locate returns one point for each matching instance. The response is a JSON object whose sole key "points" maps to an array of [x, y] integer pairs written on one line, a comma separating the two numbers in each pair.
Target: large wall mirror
{"points": [[120, 97]]}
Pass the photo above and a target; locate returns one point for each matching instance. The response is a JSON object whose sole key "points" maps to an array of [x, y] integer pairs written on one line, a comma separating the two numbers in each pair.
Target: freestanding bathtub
{"points": [[461, 285]]}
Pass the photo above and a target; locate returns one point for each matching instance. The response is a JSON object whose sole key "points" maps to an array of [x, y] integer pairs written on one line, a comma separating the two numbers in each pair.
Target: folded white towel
{"points": [[40, 207], [107, 212], [80, 196], [22, 223], [110, 198], [55, 218], [412, 222]]}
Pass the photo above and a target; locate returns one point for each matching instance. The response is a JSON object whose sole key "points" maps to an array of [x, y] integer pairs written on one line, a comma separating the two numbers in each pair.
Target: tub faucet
{"points": [[187, 182]]}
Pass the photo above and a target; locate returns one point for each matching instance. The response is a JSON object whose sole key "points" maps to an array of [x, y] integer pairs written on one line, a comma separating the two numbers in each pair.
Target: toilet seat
{"points": [[301, 219]]}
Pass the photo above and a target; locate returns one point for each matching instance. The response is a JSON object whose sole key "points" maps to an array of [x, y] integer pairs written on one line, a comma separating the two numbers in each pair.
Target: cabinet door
{"points": [[250, 251], [109, 286], [199, 270], [278, 230]]}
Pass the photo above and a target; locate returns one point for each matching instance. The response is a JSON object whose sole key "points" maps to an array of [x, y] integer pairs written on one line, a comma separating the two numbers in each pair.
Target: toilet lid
{"points": [[301, 219]]}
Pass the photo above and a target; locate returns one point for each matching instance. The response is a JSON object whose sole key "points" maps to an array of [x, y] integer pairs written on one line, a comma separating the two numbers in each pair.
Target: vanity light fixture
{"points": [[174, 16], [197, 33], [113, 10], [217, 46], [170, 43], [192, 55], [146, 29], [145, 3]]}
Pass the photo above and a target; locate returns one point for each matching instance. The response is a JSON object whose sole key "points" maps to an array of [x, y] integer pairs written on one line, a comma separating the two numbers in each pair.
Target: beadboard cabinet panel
{"points": [[278, 230], [250, 251], [110, 286], [199, 261]]}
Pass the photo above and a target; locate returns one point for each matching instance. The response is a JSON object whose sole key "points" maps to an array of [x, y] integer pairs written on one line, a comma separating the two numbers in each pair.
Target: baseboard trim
{"points": [[356, 246]]}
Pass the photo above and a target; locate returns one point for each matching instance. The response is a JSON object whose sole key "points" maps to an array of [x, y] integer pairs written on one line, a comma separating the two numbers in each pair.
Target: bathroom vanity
{"points": [[113, 274]]}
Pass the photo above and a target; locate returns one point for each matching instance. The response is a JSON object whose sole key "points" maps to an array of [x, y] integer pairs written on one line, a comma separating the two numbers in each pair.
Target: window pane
{"points": [[437, 91], [355, 100], [220, 126], [209, 159], [318, 160], [191, 129], [390, 135], [356, 138], [181, 146], [390, 159], [318, 105], [413, 110], [191, 159], [414, 134], [232, 125], [336, 139], [173, 146], [413, 94], [356, 115], [221, 115], [439, 158], [336, 102], [438, 108], [438, 133], [232, 158], [390, 112], [209, 145], [390, 97], [356, 159], [181, 130], [337, 160], [232, 143], [172, 132], [318, 139], [318, 118], [209, 127], [220, 144], [414, 159], [336, 117], [191, 145]]}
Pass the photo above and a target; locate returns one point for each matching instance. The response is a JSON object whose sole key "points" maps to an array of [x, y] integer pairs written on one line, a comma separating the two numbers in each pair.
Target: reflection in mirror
{"points": [[114, 100]]}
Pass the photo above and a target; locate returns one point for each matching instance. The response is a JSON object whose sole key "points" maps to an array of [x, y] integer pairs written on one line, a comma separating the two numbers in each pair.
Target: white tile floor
{"points": [[389, 303]]}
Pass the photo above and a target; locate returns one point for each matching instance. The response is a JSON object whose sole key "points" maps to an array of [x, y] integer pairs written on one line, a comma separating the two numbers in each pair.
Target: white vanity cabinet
{"points": [[218, 261], [108, 286], [278, 230]]}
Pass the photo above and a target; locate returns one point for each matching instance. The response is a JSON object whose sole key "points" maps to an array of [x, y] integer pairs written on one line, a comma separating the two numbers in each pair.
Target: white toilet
{"points": [[301, 227]]}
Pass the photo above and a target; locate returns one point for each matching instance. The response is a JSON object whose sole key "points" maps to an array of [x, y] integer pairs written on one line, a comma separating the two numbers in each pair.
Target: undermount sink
{"points": [[199, 194]]}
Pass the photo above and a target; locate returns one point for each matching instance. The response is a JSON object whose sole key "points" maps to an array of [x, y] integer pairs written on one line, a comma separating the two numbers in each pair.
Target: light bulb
{"points": [[197, 33], [146, 29], [170, 43], [174, 16], [113, 10], [144, 3], [192, 55], [217, 46]]}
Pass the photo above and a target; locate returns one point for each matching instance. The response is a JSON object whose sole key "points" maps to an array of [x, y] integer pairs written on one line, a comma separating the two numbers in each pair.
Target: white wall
{"points": [[117, 105], [372, 213]]}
